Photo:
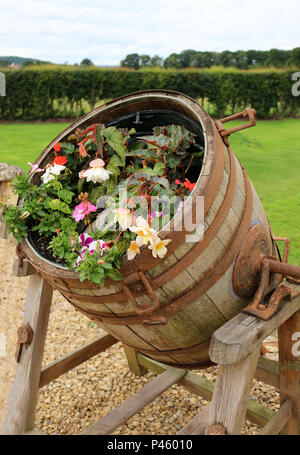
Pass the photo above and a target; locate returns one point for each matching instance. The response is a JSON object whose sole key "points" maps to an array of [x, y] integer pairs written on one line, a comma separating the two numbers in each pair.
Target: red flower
{"points": [[57, 147], [189, 185], [62, 160]]}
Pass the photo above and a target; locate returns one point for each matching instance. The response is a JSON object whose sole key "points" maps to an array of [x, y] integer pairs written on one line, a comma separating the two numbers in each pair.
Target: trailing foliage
{"points": [[68, 92]]}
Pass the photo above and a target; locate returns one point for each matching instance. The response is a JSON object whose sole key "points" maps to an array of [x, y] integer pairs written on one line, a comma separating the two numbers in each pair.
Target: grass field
{"points": [[270, 153]]}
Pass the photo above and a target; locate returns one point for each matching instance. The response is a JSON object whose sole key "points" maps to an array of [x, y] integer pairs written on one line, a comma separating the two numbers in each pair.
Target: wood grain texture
{"points": [[231, 394], [24, 270], [279, 420], [289, 369], [238, 337], [131, 355], [24, 394]]}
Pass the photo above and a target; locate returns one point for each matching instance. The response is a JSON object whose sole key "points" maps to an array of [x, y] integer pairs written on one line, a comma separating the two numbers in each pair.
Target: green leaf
{"points": [[56, 204], [159, 168], [116, 141], [99, 138], [172, 161], [67, 147], [114, 274], [66, 195]]}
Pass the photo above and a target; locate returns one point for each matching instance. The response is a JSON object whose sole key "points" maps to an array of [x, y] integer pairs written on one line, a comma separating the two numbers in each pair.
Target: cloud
{"points": [[106, 32]]}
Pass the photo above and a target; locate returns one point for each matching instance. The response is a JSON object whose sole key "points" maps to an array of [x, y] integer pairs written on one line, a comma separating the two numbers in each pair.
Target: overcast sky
{"points": [[106, 31]]}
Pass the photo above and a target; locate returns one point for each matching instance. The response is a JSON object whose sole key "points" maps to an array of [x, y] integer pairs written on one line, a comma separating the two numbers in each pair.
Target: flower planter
{"points": [[168, 308]]}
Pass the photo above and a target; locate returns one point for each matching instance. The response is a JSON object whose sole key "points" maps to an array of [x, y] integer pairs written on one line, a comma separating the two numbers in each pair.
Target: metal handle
{"points": [[248, 112], [287, 270], [142, 308]]}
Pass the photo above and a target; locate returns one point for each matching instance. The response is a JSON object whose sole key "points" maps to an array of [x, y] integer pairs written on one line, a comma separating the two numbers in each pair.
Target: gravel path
{"points": [[80, 397]]}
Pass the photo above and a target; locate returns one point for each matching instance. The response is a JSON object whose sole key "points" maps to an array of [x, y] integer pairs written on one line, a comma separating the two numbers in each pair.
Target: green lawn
{"points": [[270, 153], [20, 142]]}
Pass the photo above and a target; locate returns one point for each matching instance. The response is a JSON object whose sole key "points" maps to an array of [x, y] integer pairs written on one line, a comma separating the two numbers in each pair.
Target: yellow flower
{"points": [[132, 251], [123, 217], [159, 248], [145, 233]]}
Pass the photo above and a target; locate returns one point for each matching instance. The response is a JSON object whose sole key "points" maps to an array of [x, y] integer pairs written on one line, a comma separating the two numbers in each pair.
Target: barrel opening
{"points": [[144, 121]]}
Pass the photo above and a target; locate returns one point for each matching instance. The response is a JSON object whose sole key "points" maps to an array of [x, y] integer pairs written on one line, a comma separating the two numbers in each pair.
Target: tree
{"points": [[173, 61], [86, 62], [226, 58], [277, 58], [295, 56], [157, 61], [186, 58], [131, 61], [240, 59], [145, 60]]}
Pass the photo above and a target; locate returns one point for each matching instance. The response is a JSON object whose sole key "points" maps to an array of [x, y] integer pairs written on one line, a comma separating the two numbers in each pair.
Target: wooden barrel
{"points": [[168, 308]]}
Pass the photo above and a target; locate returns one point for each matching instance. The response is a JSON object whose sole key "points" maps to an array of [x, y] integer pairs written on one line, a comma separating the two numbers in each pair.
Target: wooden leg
{"points": [[231, 394], [24, 393], [132, 360], [289, 369]]}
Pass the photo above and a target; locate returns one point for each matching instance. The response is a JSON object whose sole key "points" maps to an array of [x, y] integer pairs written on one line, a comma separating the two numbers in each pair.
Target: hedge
{"points": [[47, 93]]}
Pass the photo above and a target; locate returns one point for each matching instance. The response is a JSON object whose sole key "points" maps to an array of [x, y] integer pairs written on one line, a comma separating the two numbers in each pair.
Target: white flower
{"points": [[132, 251], [51, 171], [96, 172], [123, 217], [159, 248], [97, 245], [144, 232]]}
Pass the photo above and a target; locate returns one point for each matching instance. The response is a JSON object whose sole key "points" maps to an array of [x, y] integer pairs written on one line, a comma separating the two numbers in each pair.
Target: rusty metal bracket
{"points": [[256, 274], [216, 430], [142, 308], [248, 112], [155, 321], [268, 282], [25, 335], [285, 257], [269, 277]]}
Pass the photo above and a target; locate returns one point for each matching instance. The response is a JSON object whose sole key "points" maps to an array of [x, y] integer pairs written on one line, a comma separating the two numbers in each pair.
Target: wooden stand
{"points": [[234, 347]]}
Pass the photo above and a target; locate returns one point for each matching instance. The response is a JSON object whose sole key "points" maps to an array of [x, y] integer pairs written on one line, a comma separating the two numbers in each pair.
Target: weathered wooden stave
{"points": [[204, 299]]}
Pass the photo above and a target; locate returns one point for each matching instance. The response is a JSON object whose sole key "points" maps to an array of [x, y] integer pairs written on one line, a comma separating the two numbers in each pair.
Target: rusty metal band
{"points": [[209, 278], [145, 260]]}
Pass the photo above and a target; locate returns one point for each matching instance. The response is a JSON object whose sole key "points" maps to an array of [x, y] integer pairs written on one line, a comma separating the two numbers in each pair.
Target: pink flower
{"points": [[82, 210]]}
